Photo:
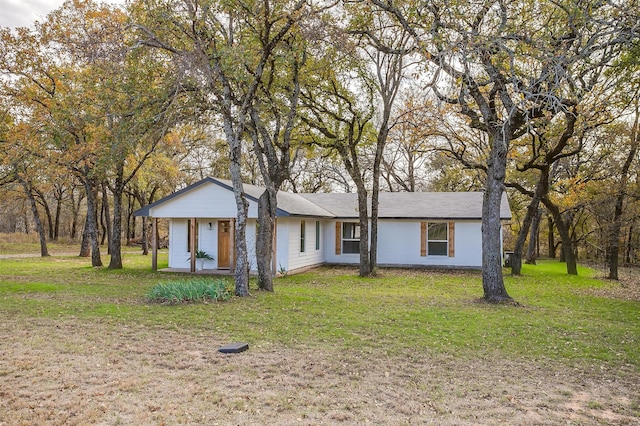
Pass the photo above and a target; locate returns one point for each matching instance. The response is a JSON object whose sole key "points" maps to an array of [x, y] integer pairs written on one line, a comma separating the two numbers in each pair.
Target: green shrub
{"points": [[190, 290]]}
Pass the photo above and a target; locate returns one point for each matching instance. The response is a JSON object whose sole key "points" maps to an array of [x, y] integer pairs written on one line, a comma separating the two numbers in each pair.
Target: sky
{"points": [[23, 13]]}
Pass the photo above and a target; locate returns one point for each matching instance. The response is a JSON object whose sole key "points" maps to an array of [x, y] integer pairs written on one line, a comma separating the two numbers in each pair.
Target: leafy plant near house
{"points": [[282, 270], [201, 254], [191, 290]]}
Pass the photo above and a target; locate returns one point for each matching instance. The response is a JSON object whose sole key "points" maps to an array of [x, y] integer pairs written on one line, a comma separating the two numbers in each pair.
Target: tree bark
{"points": [[629, 250], [267, 206], [45, 206], [568, 248], [365, 266], [242, 206], [533, 238], [76, 213], [106, 223], [516, 257], [44, 251], [145, 236], [613, 252], [116, 229], [551, 241], [85, 243], [492, 279], [92, 223], [59, 194]]}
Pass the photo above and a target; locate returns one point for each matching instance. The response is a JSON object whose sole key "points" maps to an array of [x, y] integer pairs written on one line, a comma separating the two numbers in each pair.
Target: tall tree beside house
{"points": [[274, 114], [341, 109], [338, 108], [504, 65], [223, 49], [387, 52]]}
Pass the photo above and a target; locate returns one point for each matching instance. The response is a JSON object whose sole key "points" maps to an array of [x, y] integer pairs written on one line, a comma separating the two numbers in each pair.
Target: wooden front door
{"points": [[224, 238]]}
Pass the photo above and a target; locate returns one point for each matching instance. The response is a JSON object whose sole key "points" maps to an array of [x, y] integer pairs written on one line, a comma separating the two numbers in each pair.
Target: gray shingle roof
{"points": [[412, 205], [392, 205], [288, 203]]}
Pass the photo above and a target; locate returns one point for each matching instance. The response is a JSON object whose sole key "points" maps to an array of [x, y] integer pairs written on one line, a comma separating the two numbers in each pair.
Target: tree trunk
{"points": [[629, 250], [568, 249], [47, 211], [92, 223], [145, 237], [44, 251], [365, 267], [375, 196], [130, 231], [613, 251], [116, 240], [532, 210], [242, 206], [116, 229], [76, 214], [142, 200], [85, 243], [264, 241], [551, 237], [106, 222], [56, 224], [25, 219], [533, 238], [492, 279]]}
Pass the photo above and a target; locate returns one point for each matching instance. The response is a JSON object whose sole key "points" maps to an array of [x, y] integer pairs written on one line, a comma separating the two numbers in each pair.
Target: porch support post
{"points": [[154, 244], [232, 246], [192, 244]]}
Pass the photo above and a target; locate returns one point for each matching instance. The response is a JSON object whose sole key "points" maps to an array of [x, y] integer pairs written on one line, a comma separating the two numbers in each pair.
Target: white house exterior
{"points": [[435, 229]]}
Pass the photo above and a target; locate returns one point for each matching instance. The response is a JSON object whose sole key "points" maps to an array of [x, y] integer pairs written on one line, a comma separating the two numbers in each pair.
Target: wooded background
{"points": [[106, 109]]}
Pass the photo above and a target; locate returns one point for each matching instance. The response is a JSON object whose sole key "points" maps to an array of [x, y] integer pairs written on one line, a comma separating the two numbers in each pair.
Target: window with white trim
{"points": [[350, 237], [437, 239]]}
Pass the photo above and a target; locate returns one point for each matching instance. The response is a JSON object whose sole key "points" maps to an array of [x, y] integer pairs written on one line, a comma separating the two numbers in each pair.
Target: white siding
{"points": [[282, 244], [251, 244], [179, 256], [208, 200], [399, 244], [311, 256], [178, 244]]}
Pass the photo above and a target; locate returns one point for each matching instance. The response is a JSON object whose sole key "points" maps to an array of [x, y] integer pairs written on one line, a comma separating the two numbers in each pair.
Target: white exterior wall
{"points": [[282, 244], [291, 239], [179, 256], [399, 244], [208, 200]]}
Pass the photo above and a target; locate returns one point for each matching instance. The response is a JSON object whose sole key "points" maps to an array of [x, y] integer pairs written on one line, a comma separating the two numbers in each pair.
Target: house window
{"points": [[317, 235], [303, 231], [437, 241], [350, 237]]}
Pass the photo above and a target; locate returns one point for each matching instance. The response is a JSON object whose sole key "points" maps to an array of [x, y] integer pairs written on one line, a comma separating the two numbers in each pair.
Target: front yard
{"points": [[83, 345]]}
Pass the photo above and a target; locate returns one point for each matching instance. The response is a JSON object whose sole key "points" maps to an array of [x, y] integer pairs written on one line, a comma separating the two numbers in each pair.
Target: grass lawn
{"points": [[327, 347]]}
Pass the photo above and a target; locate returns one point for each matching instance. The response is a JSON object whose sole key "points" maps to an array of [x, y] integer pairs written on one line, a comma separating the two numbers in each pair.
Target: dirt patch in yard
{"points": [[67, 372]]}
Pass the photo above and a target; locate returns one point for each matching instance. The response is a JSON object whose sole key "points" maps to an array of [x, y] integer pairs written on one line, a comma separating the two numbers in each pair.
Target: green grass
{"points": [[560, 317]]}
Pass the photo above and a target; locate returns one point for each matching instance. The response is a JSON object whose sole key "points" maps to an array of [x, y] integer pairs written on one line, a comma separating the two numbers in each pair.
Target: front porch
{"points": [[225, 272]]}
